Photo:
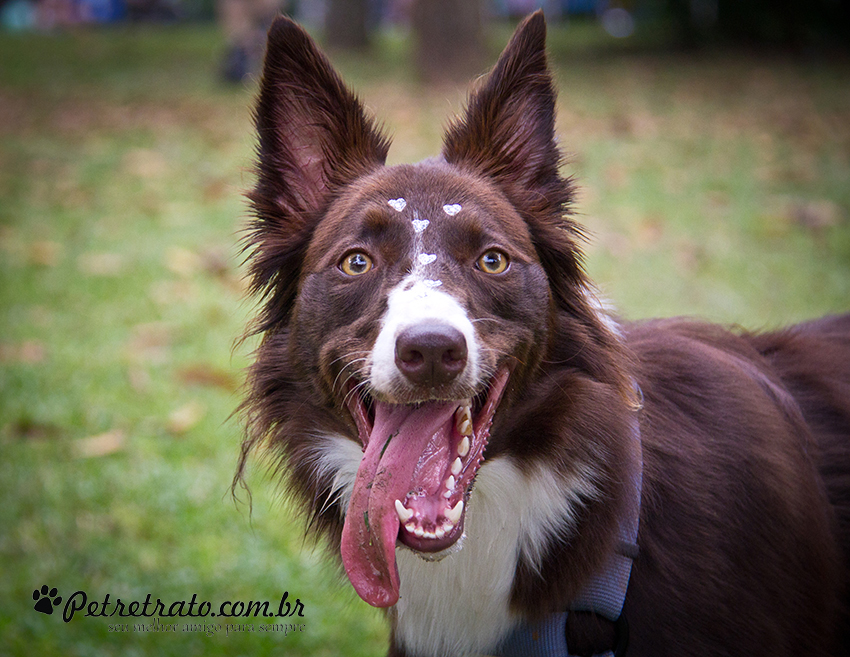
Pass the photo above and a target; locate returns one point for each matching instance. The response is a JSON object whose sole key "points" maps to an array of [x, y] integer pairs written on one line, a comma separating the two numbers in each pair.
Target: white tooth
{"points": [[440, 532], [447, 494], [463, 448], [464, 421], [448, 525], [404, 514], [430, 535], [410, 527], [453, 514], [450, 483], [456, 467], [419, 532]]}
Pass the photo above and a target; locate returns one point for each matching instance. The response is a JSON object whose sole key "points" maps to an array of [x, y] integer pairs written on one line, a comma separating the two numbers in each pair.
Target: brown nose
{"points": [[430, 354]]}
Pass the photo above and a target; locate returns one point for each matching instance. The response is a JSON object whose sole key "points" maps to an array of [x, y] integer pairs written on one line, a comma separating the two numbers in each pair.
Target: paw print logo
{"points": [[46, 599]]}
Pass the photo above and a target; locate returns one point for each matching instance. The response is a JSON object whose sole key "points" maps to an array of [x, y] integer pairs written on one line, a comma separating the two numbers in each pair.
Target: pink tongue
{"points": [[385, 475]]}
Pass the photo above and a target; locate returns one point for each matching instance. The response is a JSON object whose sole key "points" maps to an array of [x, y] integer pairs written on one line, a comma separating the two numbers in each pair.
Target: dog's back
{"points": [[756, 427], [813, 361]]}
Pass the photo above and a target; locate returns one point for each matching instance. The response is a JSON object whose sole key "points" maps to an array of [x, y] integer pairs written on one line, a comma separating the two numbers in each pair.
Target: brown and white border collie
{"points": [[460, 418]]}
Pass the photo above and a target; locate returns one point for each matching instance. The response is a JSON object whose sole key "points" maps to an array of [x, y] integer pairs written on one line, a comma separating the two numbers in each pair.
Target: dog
{"points": [[494, 459]]}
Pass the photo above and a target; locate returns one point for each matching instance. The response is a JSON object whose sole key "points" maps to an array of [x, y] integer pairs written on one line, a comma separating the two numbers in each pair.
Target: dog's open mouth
{"points": [[413, 483]]}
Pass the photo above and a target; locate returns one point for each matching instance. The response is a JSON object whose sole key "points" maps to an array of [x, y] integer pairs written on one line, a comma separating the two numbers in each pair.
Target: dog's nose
{"points": [[430, 354]]}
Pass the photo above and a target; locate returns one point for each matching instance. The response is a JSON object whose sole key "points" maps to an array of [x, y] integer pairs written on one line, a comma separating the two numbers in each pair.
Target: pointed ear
{"points": [[313, 137], [508, 130], [313, 132], [508, 135]]}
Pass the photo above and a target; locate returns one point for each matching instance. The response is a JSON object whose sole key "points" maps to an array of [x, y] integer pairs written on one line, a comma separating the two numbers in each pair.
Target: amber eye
{"points": [[356, 263], [493, 262]]}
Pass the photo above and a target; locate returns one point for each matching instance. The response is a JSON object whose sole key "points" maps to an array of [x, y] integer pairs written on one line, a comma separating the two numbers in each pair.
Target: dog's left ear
{"points": [[508, 131], [508, 135]]}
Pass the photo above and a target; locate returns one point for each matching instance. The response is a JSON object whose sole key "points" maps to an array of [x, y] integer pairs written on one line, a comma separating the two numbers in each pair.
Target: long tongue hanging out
{"points": [[402, 436]]}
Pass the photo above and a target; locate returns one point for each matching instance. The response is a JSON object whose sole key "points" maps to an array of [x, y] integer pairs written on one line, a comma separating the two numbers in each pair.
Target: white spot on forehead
{"points": [[431, 284], [420, 224], [426, 258], [397, 204], [452, 209]]}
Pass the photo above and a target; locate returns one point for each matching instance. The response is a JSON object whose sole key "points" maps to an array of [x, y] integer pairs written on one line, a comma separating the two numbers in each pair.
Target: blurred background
{"points": [[710, 140]]}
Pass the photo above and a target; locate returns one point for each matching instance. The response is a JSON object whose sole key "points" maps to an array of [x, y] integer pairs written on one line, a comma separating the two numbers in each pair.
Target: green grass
{"points": [[715, 185]]}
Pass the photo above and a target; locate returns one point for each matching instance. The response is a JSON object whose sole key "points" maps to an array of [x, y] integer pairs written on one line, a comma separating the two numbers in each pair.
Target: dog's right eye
{"points": [[356, 263]]}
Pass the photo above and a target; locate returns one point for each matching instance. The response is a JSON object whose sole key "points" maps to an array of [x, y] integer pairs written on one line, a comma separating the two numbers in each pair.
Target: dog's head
{"points": [[406, 307]]}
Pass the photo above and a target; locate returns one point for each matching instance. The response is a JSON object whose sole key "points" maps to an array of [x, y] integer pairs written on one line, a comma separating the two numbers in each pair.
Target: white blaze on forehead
{"points": [[422, 259], [397, 204], [452, 209], [412, 302], [423, 288], [417, 300]]}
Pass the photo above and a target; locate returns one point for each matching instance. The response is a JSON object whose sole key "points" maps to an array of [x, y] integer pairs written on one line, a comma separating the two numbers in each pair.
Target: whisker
{"points": [[349, 355], [354, 390], [333, 496], [345, 367]]}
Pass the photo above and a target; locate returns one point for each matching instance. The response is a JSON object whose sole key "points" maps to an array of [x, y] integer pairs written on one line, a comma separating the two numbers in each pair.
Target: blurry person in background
{"points": [[245, 23]]}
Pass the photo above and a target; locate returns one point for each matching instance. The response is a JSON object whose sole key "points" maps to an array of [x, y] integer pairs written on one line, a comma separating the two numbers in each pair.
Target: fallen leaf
{"points": [[183, 262], [139, 378], [101, 264], [816, 215], [215, 262], [186, 417], [45, 253], [167, 293], [145, 163], [29, 352], [649, 231], [150, 342], [100, 445], [203, 374], [28, 429], [216, 189]]}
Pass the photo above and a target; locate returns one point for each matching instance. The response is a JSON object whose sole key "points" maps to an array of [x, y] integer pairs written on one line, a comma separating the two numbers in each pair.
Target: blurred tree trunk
{"points": [[449, 41], [346, 24]]}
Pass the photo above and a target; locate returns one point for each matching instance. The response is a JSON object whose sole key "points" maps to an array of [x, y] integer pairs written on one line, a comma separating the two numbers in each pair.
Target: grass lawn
{"points": [[715, 185]]}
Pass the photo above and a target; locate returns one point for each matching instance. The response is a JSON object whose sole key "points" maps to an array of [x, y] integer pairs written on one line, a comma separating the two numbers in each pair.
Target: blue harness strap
{"points": [[546, 639], [604, 594]]}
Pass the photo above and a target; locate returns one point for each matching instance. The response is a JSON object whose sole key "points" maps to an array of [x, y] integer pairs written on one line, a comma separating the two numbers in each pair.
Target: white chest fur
{"points": [[460, 604]]}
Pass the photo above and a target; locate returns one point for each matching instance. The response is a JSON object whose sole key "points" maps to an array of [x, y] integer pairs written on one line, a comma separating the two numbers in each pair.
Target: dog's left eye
{"points": [[493, 262], [356, 263]]}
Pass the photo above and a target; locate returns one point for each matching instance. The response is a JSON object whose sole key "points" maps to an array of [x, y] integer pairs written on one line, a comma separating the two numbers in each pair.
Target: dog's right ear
{"points": [[314, 137]]}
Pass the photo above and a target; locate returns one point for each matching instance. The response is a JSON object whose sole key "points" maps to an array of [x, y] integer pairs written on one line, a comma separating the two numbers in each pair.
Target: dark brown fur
{"points": [[745, 519]]}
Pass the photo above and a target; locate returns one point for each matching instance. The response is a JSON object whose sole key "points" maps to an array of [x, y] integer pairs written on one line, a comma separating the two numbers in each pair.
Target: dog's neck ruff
{"points": [[604, 595]]}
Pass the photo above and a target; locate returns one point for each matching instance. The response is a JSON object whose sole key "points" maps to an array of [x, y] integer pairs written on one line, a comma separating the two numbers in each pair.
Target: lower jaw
{"points": [[427, 548], [430, 555]]}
